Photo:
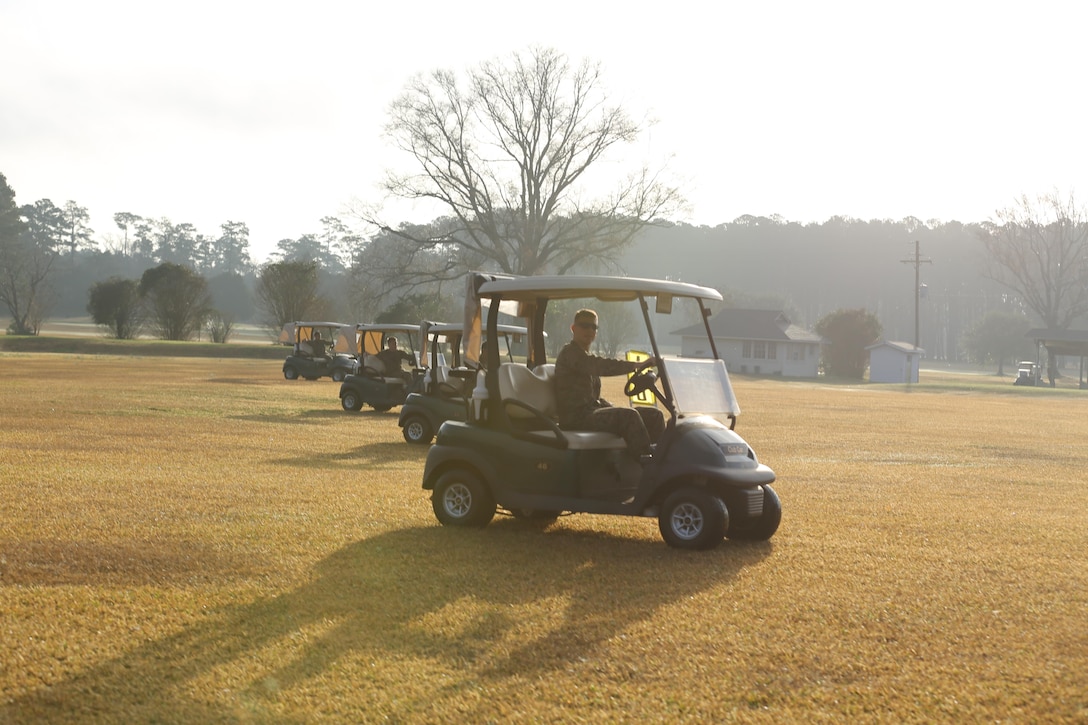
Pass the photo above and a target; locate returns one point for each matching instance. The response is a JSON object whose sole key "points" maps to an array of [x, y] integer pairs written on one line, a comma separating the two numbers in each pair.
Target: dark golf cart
{"points": [[372, 384], [313, 354], [703, 482], [443, 394], [1027, 373]]}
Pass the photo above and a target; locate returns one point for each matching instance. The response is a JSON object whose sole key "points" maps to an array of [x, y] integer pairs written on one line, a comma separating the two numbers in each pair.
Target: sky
{"points": [[272, 113]]}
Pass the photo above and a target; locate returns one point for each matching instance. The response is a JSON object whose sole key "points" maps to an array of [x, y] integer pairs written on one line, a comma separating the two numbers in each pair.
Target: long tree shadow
{"points": [[374, 597]]}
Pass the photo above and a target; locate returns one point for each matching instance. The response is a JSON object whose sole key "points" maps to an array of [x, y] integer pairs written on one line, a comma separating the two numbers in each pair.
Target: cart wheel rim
{"points": [[457, 500], [687, 521]]}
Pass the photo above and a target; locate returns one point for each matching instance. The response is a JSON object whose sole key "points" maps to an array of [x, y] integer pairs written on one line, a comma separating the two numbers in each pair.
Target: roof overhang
{"points": [[1061, 342]]}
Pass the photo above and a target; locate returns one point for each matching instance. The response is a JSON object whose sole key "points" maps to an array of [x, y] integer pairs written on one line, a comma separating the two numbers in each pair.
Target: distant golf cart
{"points": [[313, 354], [703, 482], [1027, 373], [372, 384], [447, 383]]}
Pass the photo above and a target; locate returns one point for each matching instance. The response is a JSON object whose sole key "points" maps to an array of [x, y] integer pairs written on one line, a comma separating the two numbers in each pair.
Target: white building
{"points": [[756, 342], [894, 362]]}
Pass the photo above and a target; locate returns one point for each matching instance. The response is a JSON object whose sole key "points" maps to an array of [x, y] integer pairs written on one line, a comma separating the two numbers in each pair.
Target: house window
{"points": [[747, 349], [759, 350]]}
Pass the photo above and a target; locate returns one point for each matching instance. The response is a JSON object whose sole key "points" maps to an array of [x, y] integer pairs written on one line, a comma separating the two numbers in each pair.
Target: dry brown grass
{"points": [[187, 540]]}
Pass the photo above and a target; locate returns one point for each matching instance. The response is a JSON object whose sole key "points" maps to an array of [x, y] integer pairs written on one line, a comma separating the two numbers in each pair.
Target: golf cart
{"points": [[447, 383], [372, 384], [1027, 373], [313, 354], [703, 482]]}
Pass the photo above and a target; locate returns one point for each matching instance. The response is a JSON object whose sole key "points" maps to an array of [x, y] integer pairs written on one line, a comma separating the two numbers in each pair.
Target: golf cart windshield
{"points": [[701, 387], [690, 385]]}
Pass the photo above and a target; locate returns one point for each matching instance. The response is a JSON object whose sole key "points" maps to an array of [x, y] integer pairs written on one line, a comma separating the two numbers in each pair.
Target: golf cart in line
{"points": [[372, 384], [316, 352], [447, 383], [703, 482]]}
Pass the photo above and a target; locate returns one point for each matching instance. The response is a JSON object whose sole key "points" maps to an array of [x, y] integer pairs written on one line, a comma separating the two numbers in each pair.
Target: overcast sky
{"points": [[271, 113]]}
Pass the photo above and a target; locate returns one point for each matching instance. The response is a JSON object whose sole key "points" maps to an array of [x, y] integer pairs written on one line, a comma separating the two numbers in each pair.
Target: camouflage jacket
{"points": [[578, 382]]}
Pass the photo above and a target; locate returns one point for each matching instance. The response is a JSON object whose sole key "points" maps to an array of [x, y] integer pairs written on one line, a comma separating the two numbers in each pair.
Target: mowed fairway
{"points": [[201, 541]]}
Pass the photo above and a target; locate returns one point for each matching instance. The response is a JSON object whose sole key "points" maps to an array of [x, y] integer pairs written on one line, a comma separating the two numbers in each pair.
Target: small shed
{"points": [[894, 362]]}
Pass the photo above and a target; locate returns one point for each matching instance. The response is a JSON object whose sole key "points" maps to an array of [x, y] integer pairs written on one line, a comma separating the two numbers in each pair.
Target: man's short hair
{"points": [[585, 315]]}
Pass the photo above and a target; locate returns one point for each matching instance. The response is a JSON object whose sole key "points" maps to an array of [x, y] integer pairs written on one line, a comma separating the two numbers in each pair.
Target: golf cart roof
{"points": [[321, 324], [443, 328], [568, 286], [386, 327]]}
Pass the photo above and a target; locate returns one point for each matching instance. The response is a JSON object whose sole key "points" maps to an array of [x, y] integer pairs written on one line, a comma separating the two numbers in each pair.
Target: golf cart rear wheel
{"points": [[461, 499], [290, 373], [764, 527], [693, 518], [339, 375], [351, 401], [418, 430], [381, 408]]}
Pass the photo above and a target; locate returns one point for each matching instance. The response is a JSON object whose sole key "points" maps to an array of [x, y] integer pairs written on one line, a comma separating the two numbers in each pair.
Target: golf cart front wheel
{"points": [[461, 499], [351, 401], [418, 430], [290, 373], [693, 518]]}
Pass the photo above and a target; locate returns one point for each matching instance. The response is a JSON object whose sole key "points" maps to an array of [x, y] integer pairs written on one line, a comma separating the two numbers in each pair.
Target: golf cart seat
{"points": [[372, 362], [534, 393], [447, 385]]}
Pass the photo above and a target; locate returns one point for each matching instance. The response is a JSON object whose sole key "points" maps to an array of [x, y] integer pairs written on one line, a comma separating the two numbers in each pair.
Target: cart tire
{"points": [[290, 373], [460, 498], [351, 401], [338, 376], [418, 430], [693, 518]]}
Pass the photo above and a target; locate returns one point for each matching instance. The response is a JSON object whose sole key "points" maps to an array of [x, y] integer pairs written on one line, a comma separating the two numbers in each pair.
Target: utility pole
{"points": [[918, 260]]}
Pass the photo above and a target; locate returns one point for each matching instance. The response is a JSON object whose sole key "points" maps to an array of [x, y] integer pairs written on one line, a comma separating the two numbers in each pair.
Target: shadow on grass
{"points": [[506, 601], [378, 453], [333, 412]]}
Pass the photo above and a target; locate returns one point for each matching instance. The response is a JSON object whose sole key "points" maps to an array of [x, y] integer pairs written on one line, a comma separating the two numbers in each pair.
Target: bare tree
{"points": [[507, 155], [1039, 249]]}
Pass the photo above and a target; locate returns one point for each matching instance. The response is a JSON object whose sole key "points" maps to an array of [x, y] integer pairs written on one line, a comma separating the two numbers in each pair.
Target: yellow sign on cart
{"points": [[646, 397]]}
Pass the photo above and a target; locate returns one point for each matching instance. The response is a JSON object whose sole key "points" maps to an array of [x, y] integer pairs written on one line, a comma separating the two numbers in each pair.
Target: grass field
{"points": [[197, 540]]}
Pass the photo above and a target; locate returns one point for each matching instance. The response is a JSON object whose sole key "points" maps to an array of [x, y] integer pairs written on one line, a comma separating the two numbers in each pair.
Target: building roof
{"points": [[904, 347], [740, 324], [1061, 342]]}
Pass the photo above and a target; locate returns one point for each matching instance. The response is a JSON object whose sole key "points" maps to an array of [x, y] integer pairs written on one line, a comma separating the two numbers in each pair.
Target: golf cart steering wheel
{"points": [[644, 379]]}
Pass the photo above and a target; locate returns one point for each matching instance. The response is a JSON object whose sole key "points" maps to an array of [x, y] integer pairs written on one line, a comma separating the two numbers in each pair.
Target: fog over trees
{"points": [[504, 151], [807, 270]]}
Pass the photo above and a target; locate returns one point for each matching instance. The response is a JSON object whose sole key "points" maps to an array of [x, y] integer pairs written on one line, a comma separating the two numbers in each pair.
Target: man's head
{"points": [[584, 328], [391, 343]]}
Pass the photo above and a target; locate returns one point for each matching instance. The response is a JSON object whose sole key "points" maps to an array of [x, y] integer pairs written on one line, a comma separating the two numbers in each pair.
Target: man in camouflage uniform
{"points": [[578, 391]]}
